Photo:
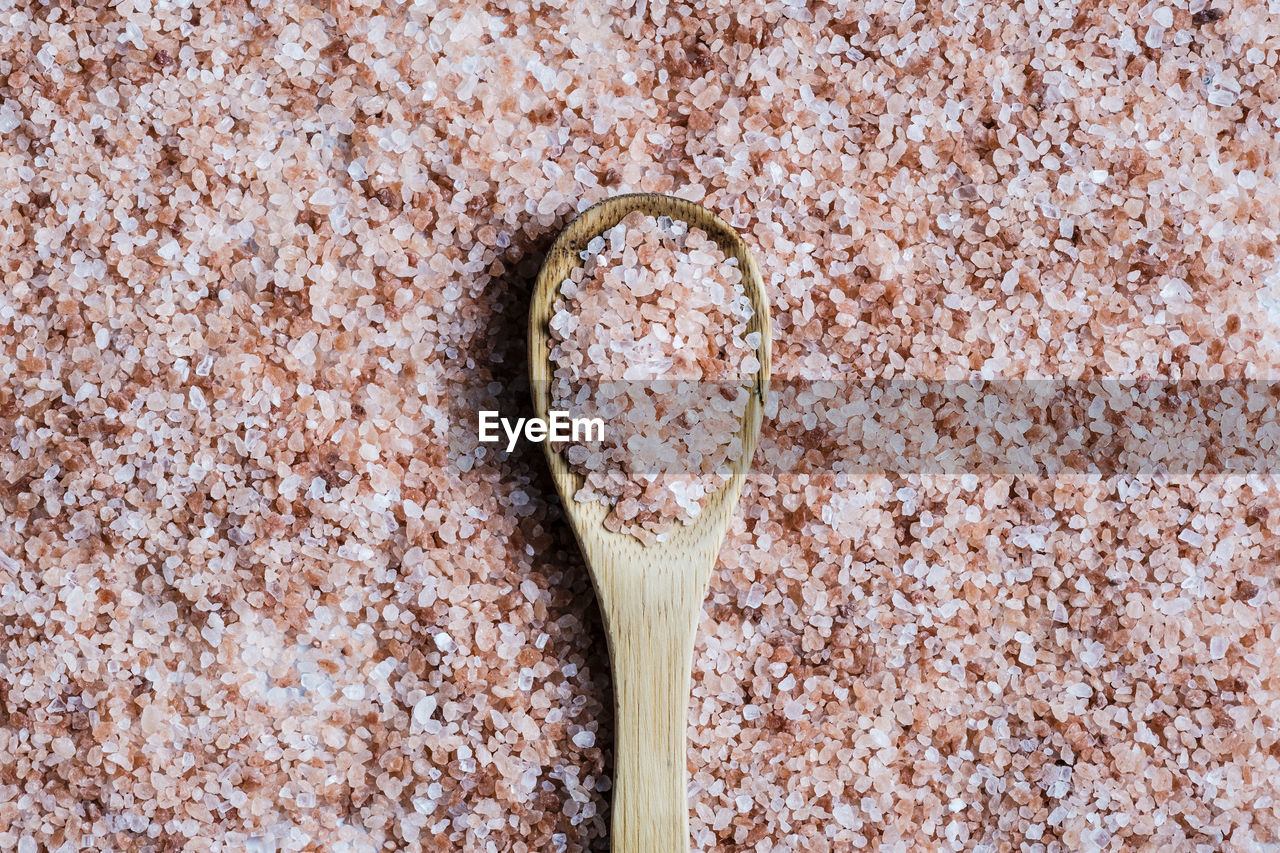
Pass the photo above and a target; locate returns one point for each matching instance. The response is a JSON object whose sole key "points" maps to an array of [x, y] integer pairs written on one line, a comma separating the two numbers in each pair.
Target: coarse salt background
{"points": [[249, 249], [649, 335]]}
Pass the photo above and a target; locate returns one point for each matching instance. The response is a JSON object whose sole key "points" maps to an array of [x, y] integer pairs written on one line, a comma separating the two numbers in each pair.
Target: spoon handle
{"points": [[652, 651]]}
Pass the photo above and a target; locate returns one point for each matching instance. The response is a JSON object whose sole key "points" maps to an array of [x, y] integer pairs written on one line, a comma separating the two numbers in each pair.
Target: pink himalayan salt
{"points": [[654, 301], [983, 219]]}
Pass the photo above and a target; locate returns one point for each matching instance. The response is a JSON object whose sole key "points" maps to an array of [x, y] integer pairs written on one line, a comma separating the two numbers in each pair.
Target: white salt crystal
{"points": [[151, 719], [585, 739], [1009, 283], [74, 599], [1192, 538], [1221, 97], [1217, 647], [423, 709], [211, 635]]}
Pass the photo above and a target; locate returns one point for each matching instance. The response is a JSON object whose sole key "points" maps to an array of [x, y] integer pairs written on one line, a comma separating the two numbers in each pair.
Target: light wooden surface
{"points": [[650, 596]]}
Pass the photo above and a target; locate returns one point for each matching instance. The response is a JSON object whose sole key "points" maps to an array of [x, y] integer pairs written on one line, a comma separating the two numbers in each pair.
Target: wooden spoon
{"points": [[650, 596]]}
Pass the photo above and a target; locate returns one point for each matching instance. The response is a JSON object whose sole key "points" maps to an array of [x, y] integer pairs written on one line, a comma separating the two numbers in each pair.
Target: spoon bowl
{"points": [[650, 596]]}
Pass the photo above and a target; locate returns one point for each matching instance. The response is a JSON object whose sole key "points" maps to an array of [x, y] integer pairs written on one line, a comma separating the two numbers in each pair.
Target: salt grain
{"points": [[423, 709]]}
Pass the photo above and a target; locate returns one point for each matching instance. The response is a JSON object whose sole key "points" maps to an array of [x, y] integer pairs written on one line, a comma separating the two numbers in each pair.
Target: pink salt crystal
{"points": [[151, 720]]}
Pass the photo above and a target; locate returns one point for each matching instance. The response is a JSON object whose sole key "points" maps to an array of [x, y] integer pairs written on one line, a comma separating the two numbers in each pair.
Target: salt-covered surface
{"points": [[649, 335], [247, 250]]}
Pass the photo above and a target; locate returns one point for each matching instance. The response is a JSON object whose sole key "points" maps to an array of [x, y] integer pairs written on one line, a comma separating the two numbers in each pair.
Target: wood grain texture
{"points": [[650, 596]]}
